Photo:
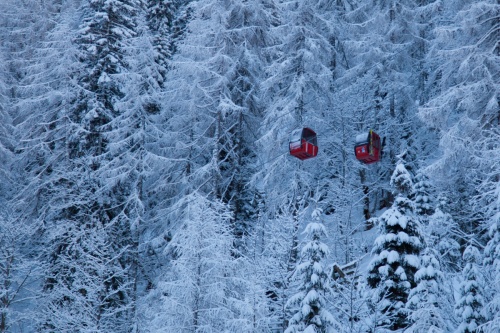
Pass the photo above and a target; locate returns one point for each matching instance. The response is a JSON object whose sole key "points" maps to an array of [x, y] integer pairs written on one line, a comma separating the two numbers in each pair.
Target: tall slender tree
{"points": [[464, 102], [16, 270], [392, 271], [197, 290], [426, 299], [37, 92], [92, 207], [492, 272], [423, 196], [443, 234], [311, 313], [470, 304], [162, 26]]}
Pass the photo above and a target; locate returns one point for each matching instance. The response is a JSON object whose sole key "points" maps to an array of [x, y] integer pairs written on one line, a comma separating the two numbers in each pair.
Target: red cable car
{"points": [[303, 143], [368, 148]]}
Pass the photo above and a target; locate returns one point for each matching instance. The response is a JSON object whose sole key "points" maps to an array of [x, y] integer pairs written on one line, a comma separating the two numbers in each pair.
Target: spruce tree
{"points": [[210, 117], [442, 234], [166, 21], [197, 291], [463, 106], [212, 103], [17, 270], [311, 313], [425, 300], [396, 252], [492, 269], [249, 25], [160, 17], [93, 206], [43, 176], [469, 306], [424, 205]]}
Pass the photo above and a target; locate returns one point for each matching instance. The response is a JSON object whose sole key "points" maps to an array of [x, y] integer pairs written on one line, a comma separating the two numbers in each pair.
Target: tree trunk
{"points": [[366, 198]]}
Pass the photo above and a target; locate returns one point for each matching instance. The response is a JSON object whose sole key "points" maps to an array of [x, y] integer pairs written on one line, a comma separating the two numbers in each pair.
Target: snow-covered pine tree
{"points": [[423, 196], [166, 21], [442, 234], [6, 254], [196, 291], [463, 104], [469, 307], [16, 270], [161, 24], [6, 127], [425, 300], [160, 17], [485, 16], [396, 252], [248, 25], [93, 205], [41, 89], [309, 304], [492, 270]]}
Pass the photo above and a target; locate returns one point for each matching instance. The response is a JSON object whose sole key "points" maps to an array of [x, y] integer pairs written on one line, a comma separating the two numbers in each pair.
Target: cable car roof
{"points": [[300, 133], [296, 135], [362, 138]]}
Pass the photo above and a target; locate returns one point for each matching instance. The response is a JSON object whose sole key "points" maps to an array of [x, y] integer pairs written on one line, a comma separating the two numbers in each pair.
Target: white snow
{"points": [[393, 257], [362, 138]]}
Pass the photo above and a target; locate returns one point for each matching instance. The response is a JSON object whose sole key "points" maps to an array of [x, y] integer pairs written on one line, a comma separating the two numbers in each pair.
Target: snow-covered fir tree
{"points": [[146, 103], [90, 229], [424, 205], [311, 314], [396, 259], [469, 307], [196, 292], [426, 299], [18, 270], [159, 18], [463, 104], [46, 87], [9, 231], [166, 21], [211, 99], [492, 272], [443, 234]]}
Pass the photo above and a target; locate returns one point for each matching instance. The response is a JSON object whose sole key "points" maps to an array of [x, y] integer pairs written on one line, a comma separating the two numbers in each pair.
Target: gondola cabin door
{"points": [[368, 148], [303, 143]]}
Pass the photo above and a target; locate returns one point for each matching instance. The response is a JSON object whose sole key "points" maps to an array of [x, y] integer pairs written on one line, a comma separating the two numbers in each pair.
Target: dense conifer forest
{"points": [[146, 184]]}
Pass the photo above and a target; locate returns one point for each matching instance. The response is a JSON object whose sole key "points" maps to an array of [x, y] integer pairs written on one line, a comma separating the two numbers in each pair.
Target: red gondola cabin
{"points": [[368, 148], [303, 143]]}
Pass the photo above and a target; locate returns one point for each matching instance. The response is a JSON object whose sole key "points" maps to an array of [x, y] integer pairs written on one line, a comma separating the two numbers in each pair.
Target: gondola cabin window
{"points": [[368, 148], [303, 143]]}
